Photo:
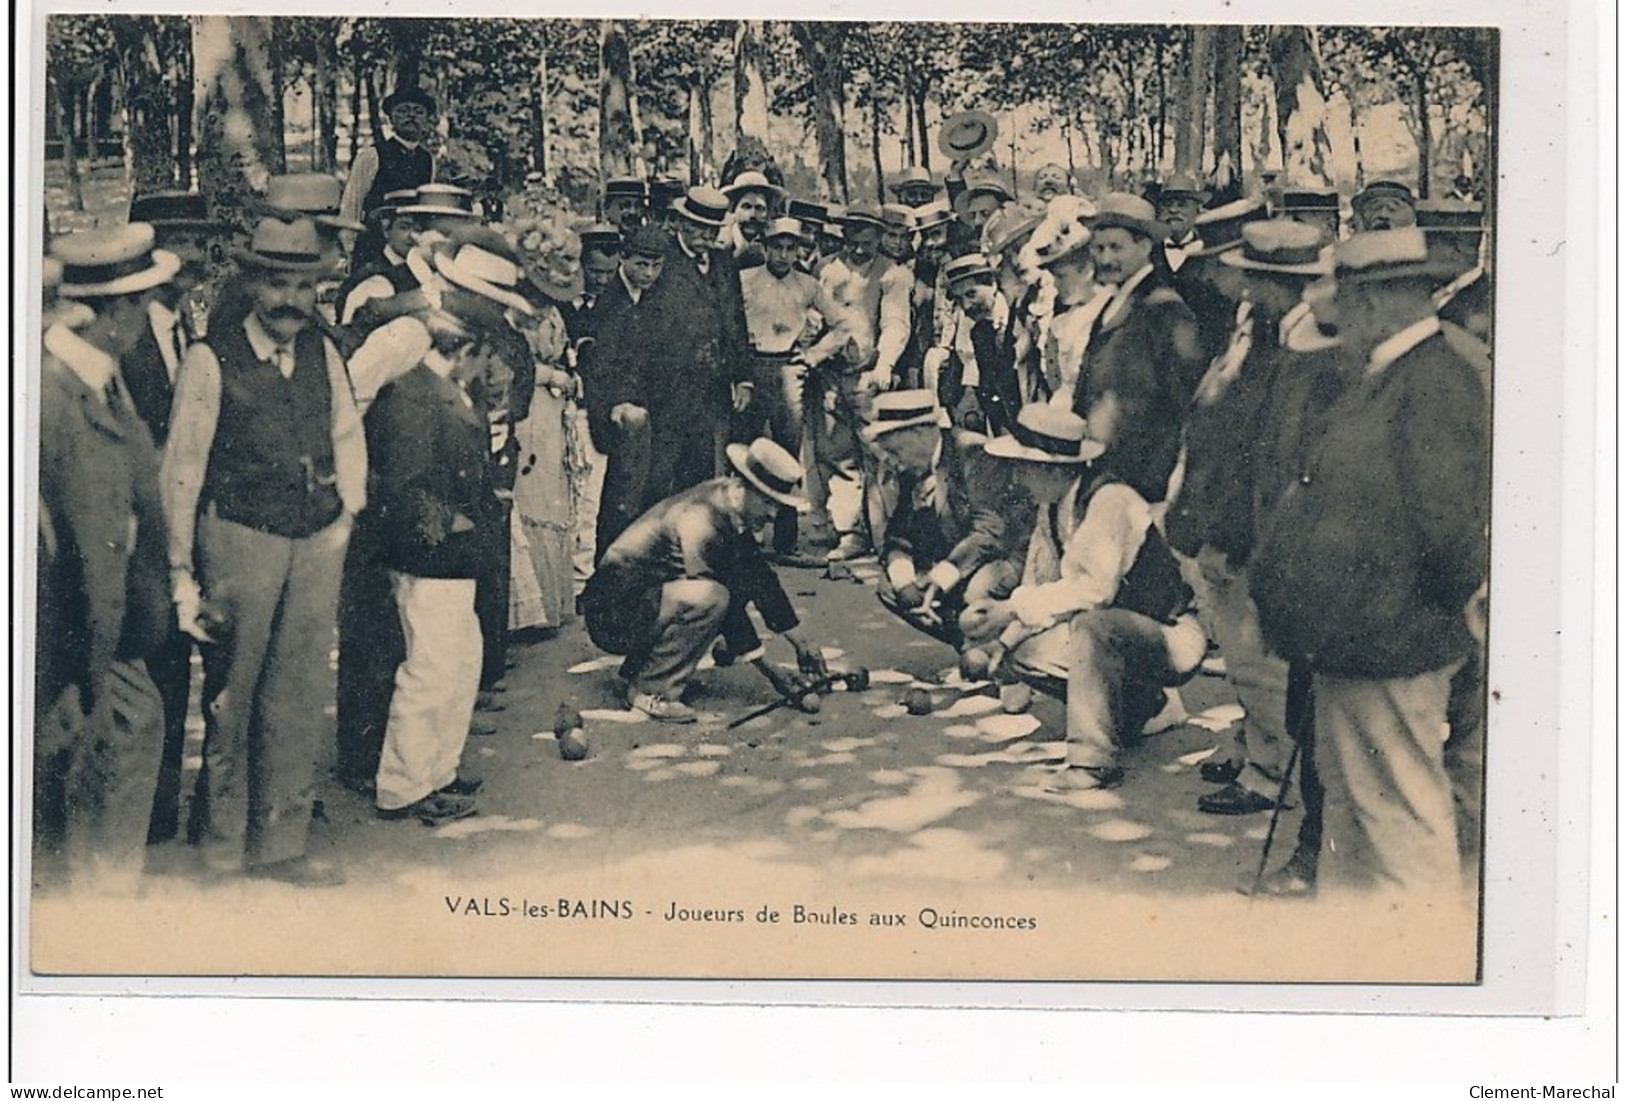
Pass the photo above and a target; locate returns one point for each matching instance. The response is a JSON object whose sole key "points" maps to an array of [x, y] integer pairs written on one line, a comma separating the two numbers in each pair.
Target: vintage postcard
{"points": [[652, 499]]}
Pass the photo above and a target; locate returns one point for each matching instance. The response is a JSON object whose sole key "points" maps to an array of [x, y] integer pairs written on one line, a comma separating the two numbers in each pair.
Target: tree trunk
{"points": [[925, 128], [615, 135], [70, 155], [278, 90], [358, 80], [750, 90], [821, 48], [375, 116], [147, 107], [1424, 133], [708, 134], [184, 95], [1227, 47], [1190, 139], [1300, 96], [237, 148], [538, 116], [1159, 125], [910, 153], [1071, 157], [325, 91], [874, 148]]}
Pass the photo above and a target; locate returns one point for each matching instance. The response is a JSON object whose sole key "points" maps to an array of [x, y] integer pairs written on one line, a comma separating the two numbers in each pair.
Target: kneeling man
{"points": [[1101, 604], [686, 572], [955, 525]]}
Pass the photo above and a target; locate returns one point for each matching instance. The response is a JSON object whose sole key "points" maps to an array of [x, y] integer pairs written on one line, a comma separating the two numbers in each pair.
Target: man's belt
{"points": [[774, 357]]}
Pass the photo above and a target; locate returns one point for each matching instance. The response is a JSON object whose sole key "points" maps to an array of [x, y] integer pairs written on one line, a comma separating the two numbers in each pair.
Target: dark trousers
{"points": [[626, 478], [370, 649], [170, 667], [774, 412], [1300, 724], [491, 597], [94, 777]]}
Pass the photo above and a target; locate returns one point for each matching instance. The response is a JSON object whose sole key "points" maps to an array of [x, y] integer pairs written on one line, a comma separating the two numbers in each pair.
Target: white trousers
{"points": [[586, 543], [435, 688]]}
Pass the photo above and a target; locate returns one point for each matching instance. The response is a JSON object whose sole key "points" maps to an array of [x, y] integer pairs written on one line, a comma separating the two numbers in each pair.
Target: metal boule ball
{"points": [[1015, 698], [573, 745], [917, 701]]}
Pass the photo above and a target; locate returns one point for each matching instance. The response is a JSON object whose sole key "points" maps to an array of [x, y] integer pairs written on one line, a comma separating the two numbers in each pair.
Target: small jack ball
{"points": [[1015, 698], [918, 701]]}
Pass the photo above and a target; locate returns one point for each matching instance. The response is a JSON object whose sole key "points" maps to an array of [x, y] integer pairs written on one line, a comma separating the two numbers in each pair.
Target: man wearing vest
{"points": [[389, 274], [1179, 201], [264, 472], [400, 162], [1101, 606], [184, 229], [102, 590]]}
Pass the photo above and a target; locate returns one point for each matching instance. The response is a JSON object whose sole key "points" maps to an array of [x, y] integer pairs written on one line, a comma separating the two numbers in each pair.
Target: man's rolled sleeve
{"points": [[349, 439], [194, 417]]}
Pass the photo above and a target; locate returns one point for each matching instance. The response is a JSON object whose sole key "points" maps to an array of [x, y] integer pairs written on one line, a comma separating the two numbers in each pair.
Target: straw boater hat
{"points": [[1450, 216], [1299, 201], [704, 206], [899, 216], [392, 204], [599, 235], [1279, 247], [967, 135], [914, 177], [896, 410], [1009, 227], [981, 185], [862, 215], [1220, 228], [932, 215], [747, 182], [442, 200], [174, 210], [1388, 254], [483, 262], [279, 245], [807, 212], [784, 227], [1048, 434], [313, 195], [118, 260], [664, 191], [1122, 210], [771, 470], [965, 267]]}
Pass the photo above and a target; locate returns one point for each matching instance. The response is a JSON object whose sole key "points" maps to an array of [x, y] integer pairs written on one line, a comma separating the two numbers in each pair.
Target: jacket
{"points": [[430, 449], [694, 534], [1146, 359], [1365, 563]]}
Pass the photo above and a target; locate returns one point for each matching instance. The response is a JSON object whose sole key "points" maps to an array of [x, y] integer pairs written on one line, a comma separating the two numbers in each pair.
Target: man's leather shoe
{"points": [[460, 786], [1234, 799], [1291, 880], [1220, 772], [301, 871]]}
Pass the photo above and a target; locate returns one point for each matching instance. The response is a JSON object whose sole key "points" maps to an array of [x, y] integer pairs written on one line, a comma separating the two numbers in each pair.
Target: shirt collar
{"points": [[163, 318], [1401, 342], [435, 361], [631, 292], [263, 344], [94, 367], [395, 259], [1292, 319]]}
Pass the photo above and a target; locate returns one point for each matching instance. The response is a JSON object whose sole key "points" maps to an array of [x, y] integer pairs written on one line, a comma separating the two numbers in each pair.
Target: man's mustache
{"points": [[288, 313]]}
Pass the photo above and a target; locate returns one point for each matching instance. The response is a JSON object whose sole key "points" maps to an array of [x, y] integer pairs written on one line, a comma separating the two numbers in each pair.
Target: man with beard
{"points": [[401, 162], [1144, 357], [752, 199], [1383, 204], [1052, 180], [264, 472], [1179, 201], [183, 228], [1368, 570]]}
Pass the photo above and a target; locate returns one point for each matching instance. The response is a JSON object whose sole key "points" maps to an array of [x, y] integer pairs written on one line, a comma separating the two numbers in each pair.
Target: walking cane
{"points": [[1275, 817]]}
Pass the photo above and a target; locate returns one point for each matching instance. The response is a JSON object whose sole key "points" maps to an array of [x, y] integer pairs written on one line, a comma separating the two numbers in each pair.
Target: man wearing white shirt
{"points": [[1178, 203], [263, 474], [1101, 606]]}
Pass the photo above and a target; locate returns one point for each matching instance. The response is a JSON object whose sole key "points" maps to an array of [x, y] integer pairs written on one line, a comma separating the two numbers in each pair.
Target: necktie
{"points": [[177, 341], [113, 395]]}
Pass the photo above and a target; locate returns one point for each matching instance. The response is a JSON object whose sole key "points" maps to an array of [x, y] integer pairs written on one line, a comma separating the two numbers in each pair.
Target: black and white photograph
{"points": [[759, 499]]}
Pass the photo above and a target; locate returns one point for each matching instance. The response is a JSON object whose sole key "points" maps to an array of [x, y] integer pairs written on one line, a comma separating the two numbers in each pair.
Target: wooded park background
{"points": [[220, 102]]}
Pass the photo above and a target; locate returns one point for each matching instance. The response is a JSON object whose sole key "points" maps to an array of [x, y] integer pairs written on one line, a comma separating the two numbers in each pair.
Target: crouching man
{"points": [[686, 571], [1101, 605], [955, 524]]}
